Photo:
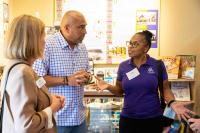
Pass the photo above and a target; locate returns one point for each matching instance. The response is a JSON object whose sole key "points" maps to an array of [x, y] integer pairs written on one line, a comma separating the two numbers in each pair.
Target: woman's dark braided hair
{"points": [[147, 35]]}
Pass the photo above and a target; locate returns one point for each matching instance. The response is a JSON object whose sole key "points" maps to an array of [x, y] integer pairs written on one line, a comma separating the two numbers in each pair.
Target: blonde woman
{"points": [[28, 107]]}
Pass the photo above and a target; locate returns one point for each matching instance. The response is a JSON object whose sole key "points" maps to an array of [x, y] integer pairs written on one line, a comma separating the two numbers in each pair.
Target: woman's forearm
{"points": [[117, 89]]}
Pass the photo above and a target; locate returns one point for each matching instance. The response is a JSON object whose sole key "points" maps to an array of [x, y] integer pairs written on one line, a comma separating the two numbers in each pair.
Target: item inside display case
{"points": [[103, 114], [95, 54], [49, 30]]}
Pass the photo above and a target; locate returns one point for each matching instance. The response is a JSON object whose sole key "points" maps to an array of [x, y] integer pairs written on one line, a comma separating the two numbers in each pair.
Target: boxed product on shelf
{"points": [[187, 66], [172, 65], [181, 90], [108, 74], [116, 53], [96, 54]]}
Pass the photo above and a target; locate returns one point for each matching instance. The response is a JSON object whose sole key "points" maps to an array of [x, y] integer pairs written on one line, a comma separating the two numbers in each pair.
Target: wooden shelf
{"points": [[181, 80], [109, 94], [105, 65], [99, 94]]}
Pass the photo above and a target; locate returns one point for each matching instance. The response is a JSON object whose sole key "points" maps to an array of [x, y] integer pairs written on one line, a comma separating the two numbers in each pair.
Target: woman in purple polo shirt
{"points": [[137, 79]]}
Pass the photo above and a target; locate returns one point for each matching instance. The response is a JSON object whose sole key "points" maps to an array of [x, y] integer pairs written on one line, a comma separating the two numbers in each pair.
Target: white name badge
{"points": [[133, 73], [40, 82]]}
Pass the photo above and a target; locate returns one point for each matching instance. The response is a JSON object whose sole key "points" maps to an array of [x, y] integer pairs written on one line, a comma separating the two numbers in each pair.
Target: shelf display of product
{"points": [[187, 66], [103, 112]]}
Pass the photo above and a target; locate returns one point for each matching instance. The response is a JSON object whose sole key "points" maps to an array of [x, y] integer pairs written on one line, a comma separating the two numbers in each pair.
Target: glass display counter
{"points": [[103, 112]]}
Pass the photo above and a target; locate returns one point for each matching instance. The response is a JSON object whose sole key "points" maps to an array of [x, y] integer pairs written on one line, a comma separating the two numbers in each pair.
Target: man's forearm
{"points": [[54, 81]]}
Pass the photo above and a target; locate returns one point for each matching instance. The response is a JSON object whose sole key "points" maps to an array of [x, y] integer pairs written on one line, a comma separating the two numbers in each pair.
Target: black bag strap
{"points": [[3, 93], [160, 84], [160, 78], [165, 120]]}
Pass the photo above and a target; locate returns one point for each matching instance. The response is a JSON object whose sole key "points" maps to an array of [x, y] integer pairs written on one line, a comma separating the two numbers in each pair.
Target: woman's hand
{"points": [[181, 111], [62, 100], [58, 103], [195, 124], [101, 84]]}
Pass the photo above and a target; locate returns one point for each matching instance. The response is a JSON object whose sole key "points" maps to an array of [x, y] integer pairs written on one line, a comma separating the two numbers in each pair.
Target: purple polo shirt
{"points": [[141, 98]]}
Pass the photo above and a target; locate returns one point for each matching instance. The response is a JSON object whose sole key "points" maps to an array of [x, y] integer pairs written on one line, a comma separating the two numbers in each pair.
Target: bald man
{"points": [[64, 67]]}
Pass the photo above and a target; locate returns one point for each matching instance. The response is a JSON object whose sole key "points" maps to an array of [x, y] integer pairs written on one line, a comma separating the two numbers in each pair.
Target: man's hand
{"points": [[195, 124], [78, 78]]}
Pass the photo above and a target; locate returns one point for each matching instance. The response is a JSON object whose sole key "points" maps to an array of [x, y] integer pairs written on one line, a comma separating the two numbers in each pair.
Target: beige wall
{"points": [[19, 7], [179, 27], [44, 7], [180, 32]]}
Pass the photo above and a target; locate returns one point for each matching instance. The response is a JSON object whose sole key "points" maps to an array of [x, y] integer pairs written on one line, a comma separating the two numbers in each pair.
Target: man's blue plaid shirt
{"points": [[60, 60]]}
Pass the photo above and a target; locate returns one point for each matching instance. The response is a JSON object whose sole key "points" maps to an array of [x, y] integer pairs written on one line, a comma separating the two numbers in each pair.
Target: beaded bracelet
{"points": [[66, 80]]}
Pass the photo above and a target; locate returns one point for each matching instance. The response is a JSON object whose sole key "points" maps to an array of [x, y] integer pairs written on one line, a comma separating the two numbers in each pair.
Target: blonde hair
{"points": [[23, 38]]}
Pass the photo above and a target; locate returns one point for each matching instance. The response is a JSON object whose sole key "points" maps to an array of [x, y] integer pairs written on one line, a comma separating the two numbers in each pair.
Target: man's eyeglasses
{"points": [[132, 44]]}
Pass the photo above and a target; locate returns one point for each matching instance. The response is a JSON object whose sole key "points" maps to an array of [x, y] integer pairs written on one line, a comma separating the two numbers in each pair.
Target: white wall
{"points": [[123, 19]]}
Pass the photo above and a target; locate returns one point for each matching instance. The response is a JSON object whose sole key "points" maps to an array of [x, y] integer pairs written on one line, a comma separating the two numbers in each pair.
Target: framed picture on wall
{"points": [[148, 20]]}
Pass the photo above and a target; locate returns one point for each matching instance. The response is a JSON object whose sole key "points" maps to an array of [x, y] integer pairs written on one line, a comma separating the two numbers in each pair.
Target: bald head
{"points": [[71, 17], [73, 27]]}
